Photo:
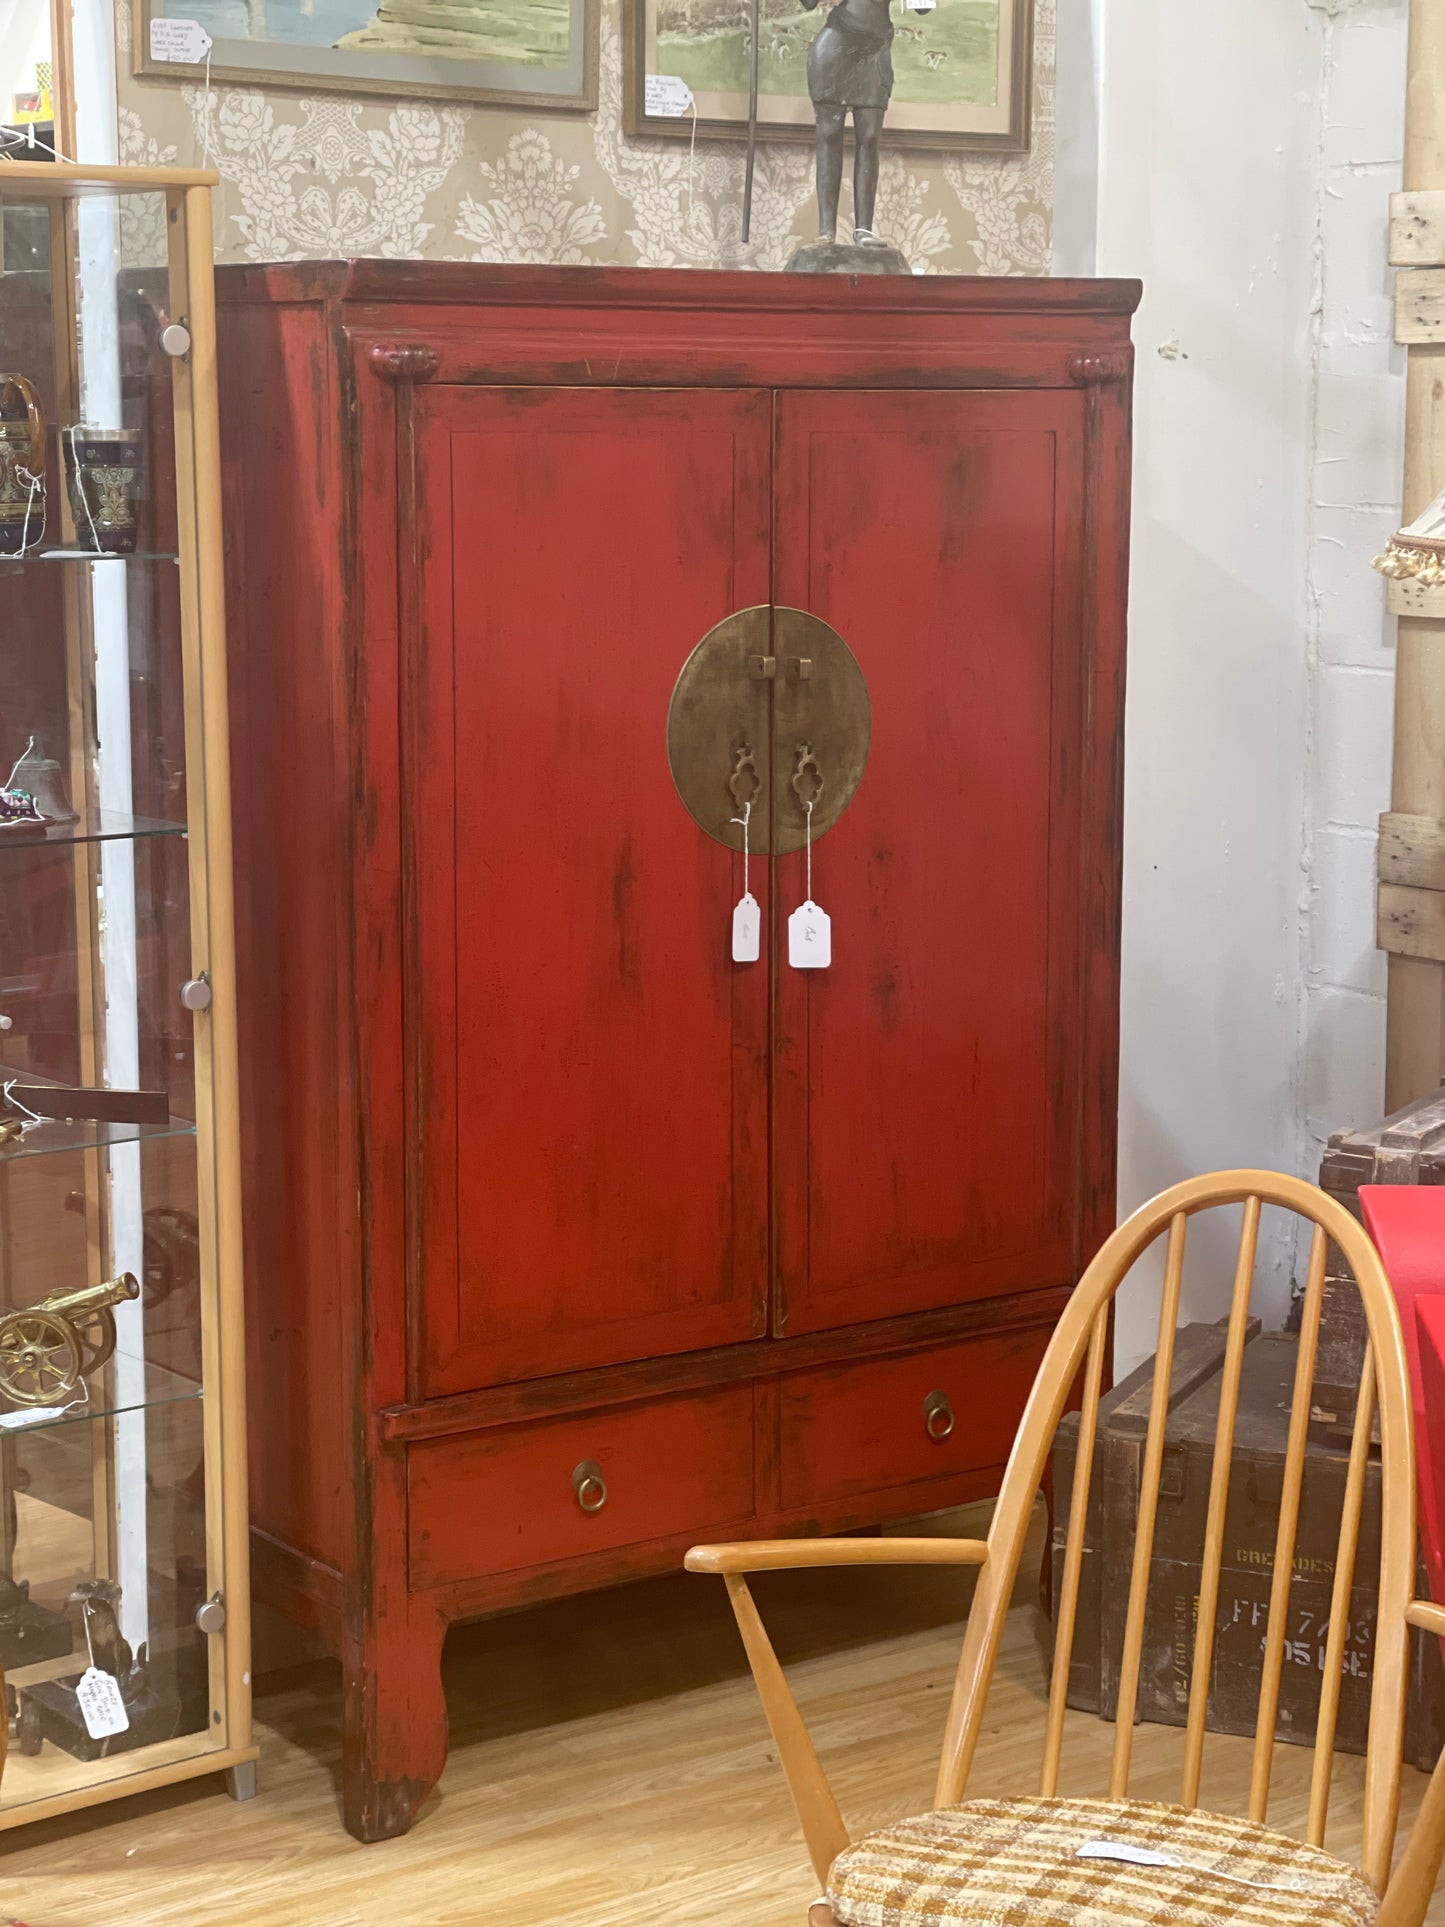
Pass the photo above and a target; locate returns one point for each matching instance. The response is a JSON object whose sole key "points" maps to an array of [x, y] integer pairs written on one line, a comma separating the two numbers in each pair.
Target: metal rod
{"points": [[752, 121]]}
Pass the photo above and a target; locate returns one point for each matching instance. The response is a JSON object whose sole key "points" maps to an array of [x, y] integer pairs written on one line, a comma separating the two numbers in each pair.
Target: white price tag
{"points": [[101, 1706], [920, 6], [185, 41], [810, 937], [1131, 1855], [747, 929], [666, 95]]}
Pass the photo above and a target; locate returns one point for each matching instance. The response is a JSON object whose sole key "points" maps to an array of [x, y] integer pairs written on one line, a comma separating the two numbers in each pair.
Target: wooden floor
{"points": [[609, 1768]]}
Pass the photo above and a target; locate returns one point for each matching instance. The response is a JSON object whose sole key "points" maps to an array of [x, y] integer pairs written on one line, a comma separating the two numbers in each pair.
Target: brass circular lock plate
{"points": [[771, 707]]}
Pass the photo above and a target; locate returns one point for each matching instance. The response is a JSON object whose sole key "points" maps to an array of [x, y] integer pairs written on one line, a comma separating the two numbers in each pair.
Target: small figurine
{"points": [[52, 1709], [98, 1600]]}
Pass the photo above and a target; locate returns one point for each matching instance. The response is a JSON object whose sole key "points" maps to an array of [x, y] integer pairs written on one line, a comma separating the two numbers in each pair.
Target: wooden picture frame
{"points": [[1000, 126], [567, 84]]}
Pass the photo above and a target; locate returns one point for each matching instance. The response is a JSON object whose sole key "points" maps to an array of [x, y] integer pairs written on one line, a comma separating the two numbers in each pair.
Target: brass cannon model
{"points": [[47, 1349]]}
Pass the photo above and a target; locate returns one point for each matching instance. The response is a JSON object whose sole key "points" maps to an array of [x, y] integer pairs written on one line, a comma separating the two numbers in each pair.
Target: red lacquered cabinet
{"points": [[570, 1240]]}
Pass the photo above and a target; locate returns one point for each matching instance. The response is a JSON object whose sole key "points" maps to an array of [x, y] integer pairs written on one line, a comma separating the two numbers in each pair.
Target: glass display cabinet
{"points": [[124, 1629]]}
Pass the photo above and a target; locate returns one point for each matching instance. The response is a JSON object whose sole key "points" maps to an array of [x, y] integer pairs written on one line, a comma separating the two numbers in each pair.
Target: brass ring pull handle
{"points": [[807, 776], [589, 1485], [938, 1419], [744, 783]]}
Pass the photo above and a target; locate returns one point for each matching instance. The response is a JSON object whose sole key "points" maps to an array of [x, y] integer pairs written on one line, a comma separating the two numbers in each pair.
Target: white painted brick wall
{"points": [[1244, 173], [1358, 430]]}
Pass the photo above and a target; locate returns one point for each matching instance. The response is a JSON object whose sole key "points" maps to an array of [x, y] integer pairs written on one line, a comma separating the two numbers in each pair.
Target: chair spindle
{"points": [[1345, 1554], [1068, 1602], [1213, 1554], [1284, 1544], [1148, 1510]]}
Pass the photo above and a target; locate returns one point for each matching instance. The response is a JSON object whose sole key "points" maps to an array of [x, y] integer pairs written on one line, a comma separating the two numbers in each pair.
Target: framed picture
{"points": [[962, 70], [518, 53]]}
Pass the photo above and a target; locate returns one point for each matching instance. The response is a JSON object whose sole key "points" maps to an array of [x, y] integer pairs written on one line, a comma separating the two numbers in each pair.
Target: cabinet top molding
{"points": [[642, 289]]}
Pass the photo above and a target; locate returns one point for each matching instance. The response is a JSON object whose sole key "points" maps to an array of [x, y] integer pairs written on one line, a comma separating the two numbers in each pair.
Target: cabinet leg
{"points": [[241, 1780], [394, 1740]]}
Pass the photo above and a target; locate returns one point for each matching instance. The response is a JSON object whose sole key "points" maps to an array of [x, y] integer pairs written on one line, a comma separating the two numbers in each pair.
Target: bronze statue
{"points": [[850, 68], [850, 71]]}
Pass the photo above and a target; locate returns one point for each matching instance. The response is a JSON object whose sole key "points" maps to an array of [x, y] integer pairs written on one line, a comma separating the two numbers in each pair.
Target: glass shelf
{"points": [[87, 1134], [92, 826], [88, 555], [134, 1387]]}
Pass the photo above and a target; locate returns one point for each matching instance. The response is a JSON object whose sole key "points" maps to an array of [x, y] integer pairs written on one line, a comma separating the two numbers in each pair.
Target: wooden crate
{"points": [[1250, 1524], [1123, 1416], [1406, 1148]]}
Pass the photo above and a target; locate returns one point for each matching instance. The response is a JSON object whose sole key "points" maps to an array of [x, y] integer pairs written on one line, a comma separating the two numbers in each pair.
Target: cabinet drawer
{"points": [[520, 1495], [899, 1421]]}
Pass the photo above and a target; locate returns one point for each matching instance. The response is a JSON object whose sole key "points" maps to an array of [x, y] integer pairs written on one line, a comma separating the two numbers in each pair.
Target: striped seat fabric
{"points": [[1016, 1863]]}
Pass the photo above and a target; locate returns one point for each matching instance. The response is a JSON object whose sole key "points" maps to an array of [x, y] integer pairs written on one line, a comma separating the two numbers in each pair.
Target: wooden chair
{"points": [[1016, 1863]]}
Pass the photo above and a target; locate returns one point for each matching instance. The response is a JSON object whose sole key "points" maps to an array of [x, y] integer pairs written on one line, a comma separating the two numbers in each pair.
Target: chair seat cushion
{"points": [[1016, 1863]]}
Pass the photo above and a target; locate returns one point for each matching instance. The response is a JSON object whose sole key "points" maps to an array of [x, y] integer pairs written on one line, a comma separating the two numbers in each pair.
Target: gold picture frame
{"points": [[968, 38], [386, 58]]}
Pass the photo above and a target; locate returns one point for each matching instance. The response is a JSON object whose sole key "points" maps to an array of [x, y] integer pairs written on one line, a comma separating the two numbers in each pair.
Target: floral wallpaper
{"points": [[327, 175]]}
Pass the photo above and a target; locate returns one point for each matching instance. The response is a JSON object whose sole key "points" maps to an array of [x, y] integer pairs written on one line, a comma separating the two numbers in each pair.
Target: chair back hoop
{"points": [[1079, 1344]]}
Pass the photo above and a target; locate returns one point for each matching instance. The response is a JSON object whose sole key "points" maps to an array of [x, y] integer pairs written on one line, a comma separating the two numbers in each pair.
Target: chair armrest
{"points": [[1429, 1618], [774, 1555], [822, 1823]]}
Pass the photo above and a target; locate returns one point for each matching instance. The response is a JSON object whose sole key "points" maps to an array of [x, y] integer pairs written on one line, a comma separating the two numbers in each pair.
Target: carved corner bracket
{"points": [[1097, 371], [397, 361]]}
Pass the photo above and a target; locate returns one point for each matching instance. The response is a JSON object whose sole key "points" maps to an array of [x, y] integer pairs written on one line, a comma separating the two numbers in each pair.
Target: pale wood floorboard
{"points": [[609, 1768]]}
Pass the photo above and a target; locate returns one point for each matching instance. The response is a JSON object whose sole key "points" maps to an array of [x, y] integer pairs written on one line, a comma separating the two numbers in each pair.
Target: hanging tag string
{"points": [[37, 488], [207, 102], [808, 845], [691, 175], [743, 819], [80, 489], [33, 1117]]}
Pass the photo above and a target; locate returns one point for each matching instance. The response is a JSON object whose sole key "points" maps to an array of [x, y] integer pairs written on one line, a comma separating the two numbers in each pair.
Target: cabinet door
{"points": [[928, 1082], [590, 1067]]}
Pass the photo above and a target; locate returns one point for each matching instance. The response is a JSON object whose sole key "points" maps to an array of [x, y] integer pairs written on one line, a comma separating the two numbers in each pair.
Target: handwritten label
{"points": [[920, 6], [667, 96], [101, 1706], [810, 937], [747, 929], [185, 41]]}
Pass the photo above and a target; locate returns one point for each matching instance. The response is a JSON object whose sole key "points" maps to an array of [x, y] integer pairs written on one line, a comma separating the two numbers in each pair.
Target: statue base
{"points": [[846, 257]]}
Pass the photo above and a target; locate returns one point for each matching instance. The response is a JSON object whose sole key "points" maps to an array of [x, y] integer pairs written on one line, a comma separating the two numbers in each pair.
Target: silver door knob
{"points": [[196, 992], [211, 1615], [176, 339]]}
